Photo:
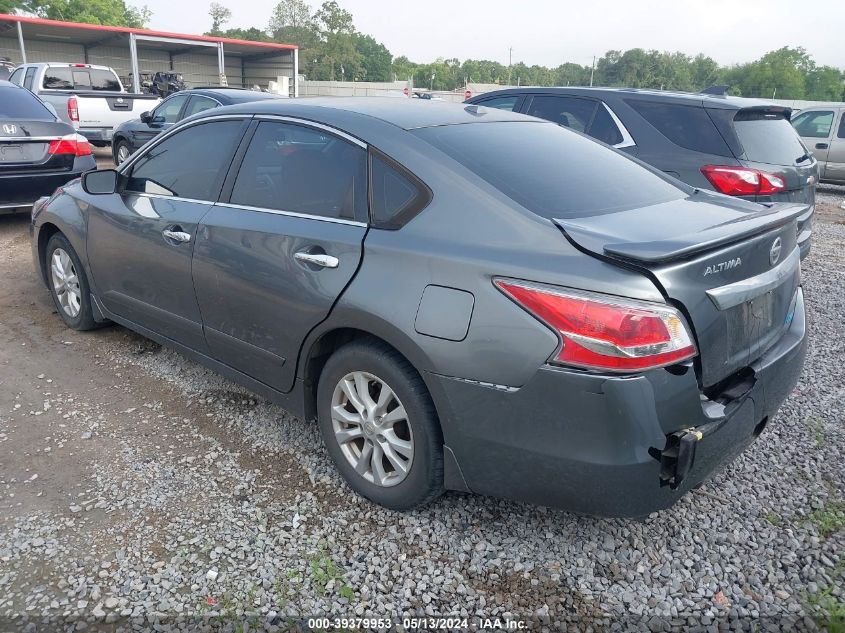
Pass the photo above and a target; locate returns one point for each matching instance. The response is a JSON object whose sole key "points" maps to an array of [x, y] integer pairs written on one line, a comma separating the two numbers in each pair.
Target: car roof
{"points": [[231, 95], [405, 113], [690, 98]]}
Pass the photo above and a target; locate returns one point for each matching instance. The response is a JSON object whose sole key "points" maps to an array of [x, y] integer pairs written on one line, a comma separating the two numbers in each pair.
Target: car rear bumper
{"points": [[97, 134], [22, 190], [597, 444]]}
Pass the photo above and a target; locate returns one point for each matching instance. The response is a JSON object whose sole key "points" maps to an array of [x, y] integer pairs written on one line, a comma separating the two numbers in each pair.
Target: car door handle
{"points": [[318, 259], [176, 235], [821, 145]]}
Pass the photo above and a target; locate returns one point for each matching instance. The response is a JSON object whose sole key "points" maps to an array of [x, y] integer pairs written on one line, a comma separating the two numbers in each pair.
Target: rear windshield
{"points": [[768, 138], [17, 103], [80, 78], [552, 171]]}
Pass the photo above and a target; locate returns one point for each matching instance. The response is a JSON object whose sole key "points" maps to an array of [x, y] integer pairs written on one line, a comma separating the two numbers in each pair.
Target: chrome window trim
{"points": [[178, 127], [739, 292], [291, 214], [161, 196], [627, 139], [313, 124]]}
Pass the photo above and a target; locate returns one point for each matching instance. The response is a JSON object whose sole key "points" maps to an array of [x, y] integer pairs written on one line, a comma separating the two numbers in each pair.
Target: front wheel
{"points": [[68, 284], [121, 153], [379, 425]]}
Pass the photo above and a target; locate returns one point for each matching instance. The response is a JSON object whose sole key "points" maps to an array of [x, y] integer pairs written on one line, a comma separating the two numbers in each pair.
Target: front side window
{"points": [[814, 124], [294, 168], [501, 103], [168, 111], [568, 112], [189, 164]]}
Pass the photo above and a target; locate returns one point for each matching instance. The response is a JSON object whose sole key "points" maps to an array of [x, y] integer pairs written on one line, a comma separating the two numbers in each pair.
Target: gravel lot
{"points": [[135, 483]]}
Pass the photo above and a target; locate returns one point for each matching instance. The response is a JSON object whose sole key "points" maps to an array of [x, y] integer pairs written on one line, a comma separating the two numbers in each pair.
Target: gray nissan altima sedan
{"points": [[464, 298]]}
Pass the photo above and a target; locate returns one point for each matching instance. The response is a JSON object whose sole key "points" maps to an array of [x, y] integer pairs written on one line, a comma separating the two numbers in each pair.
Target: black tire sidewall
{"points": [[425, 480], [85, 319]]}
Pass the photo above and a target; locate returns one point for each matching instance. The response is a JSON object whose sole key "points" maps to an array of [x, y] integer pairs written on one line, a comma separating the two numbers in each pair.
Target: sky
{"points": [[548, 32]]}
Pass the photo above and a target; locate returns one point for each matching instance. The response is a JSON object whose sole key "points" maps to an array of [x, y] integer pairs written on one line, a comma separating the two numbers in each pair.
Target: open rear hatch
{"points": [[731, 266]]}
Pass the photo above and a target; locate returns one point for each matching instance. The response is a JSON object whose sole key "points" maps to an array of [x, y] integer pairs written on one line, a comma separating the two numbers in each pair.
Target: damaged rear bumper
{"points": [[610, 445]]}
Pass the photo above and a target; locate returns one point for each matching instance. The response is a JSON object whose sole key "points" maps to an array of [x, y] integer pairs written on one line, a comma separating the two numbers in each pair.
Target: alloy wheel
{"points": [[122, 154], [66, 282], [372, 428]]}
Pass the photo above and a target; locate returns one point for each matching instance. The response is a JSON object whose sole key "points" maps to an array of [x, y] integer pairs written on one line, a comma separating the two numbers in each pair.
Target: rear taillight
{"points": [[742, 181], [74, 144], [603, 332], [73, 109]]}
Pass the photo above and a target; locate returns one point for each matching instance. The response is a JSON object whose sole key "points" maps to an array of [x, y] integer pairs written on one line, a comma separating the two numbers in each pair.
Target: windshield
{"points": [[768, 138], [17, 103], [552, 171]]}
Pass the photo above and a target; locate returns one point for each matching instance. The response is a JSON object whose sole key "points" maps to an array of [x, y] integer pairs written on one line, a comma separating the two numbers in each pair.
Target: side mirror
{"points": [[100, 182], [145, 117]]}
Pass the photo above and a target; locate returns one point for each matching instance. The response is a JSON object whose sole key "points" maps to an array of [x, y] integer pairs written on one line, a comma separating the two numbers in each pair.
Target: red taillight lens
{"points": [[742, 181], [602, 332], [73, 109], [74, 144]]}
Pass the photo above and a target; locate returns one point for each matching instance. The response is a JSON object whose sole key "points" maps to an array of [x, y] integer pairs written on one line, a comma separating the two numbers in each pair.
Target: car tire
{"points": [[68, 284], [407, 479], [118, 147]]}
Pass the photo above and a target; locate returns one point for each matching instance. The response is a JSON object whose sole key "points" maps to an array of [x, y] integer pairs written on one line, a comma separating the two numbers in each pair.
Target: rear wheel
{"points": [[68, 284], [379, 425]]}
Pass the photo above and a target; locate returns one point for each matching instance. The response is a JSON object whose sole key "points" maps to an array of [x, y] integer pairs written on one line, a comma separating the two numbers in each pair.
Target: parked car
{"points": [[38, 152], [132, 134], [823, 130], [739, 147], [6, 68], [91, 98], [449, 292]]}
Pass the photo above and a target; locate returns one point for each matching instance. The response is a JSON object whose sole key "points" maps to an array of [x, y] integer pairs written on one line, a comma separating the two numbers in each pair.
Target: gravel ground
{"points": [[831, 194], [136, 483]]}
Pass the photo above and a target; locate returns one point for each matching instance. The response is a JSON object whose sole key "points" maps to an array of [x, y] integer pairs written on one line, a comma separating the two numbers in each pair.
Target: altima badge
{"points": [[774, 252], [8, 128]]}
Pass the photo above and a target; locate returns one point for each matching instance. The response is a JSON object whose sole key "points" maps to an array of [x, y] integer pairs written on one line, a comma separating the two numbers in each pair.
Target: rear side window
{"points": [[814, 124], [604, 128], [17, 103], [199, 104], [303, 170], [687, 126], [768, 137], [549, 170], [189, 164], [501, 103], [566, 111], [58, 78], [396, 195]]}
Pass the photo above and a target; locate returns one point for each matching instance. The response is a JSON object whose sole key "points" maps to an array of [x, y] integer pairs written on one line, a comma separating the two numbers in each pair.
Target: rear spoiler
{"points": [[682, 246]]}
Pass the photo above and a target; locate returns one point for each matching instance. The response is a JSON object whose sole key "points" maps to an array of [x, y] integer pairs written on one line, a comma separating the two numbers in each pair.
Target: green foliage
{"points": [[828, 611], [105, 12], [219, 16], [830, 518]]}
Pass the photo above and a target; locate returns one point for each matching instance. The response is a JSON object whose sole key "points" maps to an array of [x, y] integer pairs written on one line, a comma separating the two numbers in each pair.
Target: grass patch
{"points": [[828, 611], [774, 519], [830, 518], [324, 570]]}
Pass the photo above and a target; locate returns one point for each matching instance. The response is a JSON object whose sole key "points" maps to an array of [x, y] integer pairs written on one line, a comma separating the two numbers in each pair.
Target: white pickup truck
{"points": [[90, 98]]}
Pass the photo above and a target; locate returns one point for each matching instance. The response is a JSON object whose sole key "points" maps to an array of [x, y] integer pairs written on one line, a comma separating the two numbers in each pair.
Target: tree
{"points": [[334, 19], [292, 23], [375, 58], [825, 83], [777, 74], [105, 12], [219, 16]]}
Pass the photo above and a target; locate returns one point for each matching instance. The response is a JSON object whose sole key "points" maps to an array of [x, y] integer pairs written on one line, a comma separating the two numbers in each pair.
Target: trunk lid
{"points": [[731, 266], [24, 146]]}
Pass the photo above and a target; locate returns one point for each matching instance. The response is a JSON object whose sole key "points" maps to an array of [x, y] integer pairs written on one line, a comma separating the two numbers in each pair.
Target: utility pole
{"points": [[592, 70], [510, 63]]}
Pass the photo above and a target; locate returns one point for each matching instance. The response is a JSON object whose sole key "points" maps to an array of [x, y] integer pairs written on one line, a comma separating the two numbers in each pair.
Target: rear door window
{"points": [[58, 78], [568, 112], [768, 137], [549, 170], [814, 124], [189, 164], [300, 169], [687, 126], [199, 104]]}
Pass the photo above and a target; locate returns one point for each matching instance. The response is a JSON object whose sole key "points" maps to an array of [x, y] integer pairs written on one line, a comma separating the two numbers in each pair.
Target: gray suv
{"points": [[740, 147]]}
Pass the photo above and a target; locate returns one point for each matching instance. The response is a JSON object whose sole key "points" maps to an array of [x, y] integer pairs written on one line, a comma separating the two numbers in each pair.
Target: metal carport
{"points": [[201, 59]]}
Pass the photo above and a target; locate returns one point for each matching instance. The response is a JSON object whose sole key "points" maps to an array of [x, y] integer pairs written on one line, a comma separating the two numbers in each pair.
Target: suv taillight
{"points": [[742, 181], [73, 109], [75, 144], [603, 332]]}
